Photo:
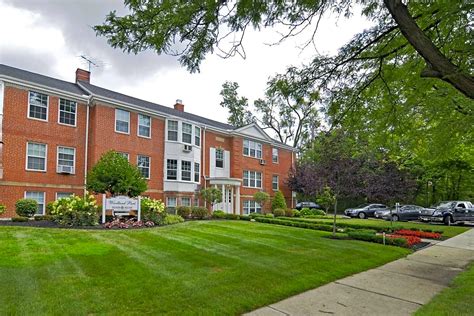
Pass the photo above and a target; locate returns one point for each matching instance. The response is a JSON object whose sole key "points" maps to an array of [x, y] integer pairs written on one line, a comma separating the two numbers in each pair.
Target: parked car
{"points": [[450, 212], [365, 210], [404, 213], [311, 205]]}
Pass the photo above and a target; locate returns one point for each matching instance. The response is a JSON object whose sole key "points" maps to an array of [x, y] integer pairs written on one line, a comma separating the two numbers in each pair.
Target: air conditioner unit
{"points": [[187, 148], [263, 162], [65, 169]]}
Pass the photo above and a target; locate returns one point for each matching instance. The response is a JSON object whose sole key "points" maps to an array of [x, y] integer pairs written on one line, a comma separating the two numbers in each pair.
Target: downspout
{"points": [[292, 166], [2, 91], [204, 160], [86, 149]]}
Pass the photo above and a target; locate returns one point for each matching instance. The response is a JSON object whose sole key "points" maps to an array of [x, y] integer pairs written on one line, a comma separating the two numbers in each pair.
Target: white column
{"points": [[237, 200], [231, 207], [223, 199]]}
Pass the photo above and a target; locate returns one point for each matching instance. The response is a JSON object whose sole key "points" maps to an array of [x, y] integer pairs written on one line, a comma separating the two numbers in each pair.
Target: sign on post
{"points": [[120, 204]]}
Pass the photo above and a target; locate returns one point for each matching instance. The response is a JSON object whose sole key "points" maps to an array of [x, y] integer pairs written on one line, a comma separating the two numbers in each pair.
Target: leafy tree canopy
{"points": [[115, 175]]}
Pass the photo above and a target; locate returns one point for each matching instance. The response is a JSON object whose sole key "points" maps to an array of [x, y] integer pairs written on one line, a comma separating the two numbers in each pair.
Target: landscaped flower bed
{"points": [[420, 234], [411, 240]]}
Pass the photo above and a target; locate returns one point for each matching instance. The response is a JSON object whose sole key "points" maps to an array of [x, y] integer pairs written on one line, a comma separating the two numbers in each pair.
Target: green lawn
{"points": [[455, 300], [448, 231], [205, 267]]}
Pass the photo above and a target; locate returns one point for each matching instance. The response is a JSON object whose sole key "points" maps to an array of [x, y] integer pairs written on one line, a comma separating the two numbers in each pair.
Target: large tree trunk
{"points": [[438, 66]]}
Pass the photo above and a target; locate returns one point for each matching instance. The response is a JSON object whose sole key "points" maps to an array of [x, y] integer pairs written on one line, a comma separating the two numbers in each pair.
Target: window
{"points": [[197, 171], [66, 159], [38, 106], [143, 164], [252, 149], [185, 170], [275, 155], [67, 112], [252, 207], [196, 202], [186, 201], [144, 125], [173, 130], [122, 121], [275, 184], [170, 202], [219, 158], [36, 157], [252, 179], [38, 197], [124, 155], [60, 195], [172, 169], [197, 136], [187, 133]]}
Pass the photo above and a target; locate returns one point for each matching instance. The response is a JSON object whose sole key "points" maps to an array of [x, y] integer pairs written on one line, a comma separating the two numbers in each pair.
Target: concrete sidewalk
{"points": [[397, 288]]}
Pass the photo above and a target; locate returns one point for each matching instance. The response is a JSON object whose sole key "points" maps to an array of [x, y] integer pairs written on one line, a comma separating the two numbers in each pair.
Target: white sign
{"points": [[120, 204]]}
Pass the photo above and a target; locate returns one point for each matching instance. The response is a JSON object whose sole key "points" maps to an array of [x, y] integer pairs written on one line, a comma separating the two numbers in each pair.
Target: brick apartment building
{"points": [[53, 131]]}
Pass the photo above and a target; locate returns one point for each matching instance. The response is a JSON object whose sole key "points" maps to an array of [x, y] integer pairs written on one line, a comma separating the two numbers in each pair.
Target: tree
{"points": [[288, 110], [211, 195], [261, 198], [278, 201], [438, 34], [326, 198], [113, 174]]}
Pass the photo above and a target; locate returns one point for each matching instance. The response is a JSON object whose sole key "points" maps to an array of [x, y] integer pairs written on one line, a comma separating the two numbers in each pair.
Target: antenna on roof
{"points": [[90, 62]]}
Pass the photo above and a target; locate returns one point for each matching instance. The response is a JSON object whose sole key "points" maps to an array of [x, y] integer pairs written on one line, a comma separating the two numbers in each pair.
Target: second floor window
{"points": [[67, 112], [173, 130], [252, 179], [172, 169], [66, 159], [197, 136], [38, 106], [143, 164], [144, 125], [122, 121], [197, 172], [185, 170], [275, 155], [275, 183], [252, 149], [219, 158], [187, 133], [36, 157]]}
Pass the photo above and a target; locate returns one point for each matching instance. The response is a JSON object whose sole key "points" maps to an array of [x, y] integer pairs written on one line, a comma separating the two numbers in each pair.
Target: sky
{"points": [[48, 37]]}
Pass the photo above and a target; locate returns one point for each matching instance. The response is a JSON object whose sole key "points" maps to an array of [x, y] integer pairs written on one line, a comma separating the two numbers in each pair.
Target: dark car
{"points": [[311, 205], [365, 210], [404, 213], [450, 212]]}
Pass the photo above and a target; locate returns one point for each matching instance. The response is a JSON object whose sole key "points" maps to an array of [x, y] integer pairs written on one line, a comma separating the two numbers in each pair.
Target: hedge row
{"points": [[327, 228], [364, 236]]}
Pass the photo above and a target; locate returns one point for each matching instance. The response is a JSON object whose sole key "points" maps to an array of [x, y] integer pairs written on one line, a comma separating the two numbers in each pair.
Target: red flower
{"points": [[421, 234]]}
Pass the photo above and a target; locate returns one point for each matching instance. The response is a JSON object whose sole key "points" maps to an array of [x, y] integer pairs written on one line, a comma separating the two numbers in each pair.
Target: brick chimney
{"points": [[179, 105], [83, 75]]}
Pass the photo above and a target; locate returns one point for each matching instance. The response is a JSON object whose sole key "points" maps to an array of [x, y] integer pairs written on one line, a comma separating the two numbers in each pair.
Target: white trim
{"points": [[149, 165], [115, 122], [256, 143], [250, 187], [44, 200], [138, 125], [47, 107], [57, 157], [45, 157], [59, 113]]}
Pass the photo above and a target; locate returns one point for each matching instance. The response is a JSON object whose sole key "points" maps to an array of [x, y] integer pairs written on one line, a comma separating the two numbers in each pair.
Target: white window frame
{"points": [[190, 170], [197, 136], [45, 157], [168, 130], [252, 176], [252, 145], [185, 198], [47, 107], [128, 123], [44, 201], [275, 150], [68, 193], [197, 172], [248, 205], [149, 166], [138, 126], [59, 113], [170, 198], [223, 160], [277, 182], [183, 133], [177, 170], [57, 157]]}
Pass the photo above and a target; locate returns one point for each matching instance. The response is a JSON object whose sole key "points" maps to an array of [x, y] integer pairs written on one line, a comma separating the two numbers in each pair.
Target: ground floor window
{"points": [[170, 202], [186, 201], [61, 195], [38, 197], [252, 207]]}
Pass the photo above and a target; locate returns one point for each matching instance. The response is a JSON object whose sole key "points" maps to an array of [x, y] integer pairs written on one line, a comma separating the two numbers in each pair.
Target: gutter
{"points": [[86, 147]]}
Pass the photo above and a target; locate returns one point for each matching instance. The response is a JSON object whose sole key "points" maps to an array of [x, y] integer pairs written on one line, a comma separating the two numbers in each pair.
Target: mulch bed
{"points": [[45, 224]]}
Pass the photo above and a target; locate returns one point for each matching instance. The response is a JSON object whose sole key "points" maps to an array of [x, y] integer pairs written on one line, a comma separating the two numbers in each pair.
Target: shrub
{"points": [[49, 207], [172, 219], [278, 201], [389, 240], [232, 216], [20, 219], [152, 210], [44, 218], [244, 217], [261, 198], [200, 212], [3, 209], [26, 207], [297, 213], [183, 211], [253, 215], [308, 212], [269, 215], [218, 214], [279, 212], [289, 212], [76, 211]]}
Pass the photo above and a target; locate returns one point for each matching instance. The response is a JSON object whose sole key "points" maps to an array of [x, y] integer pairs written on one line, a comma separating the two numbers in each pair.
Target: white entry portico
{"points": [[230, 188]]}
